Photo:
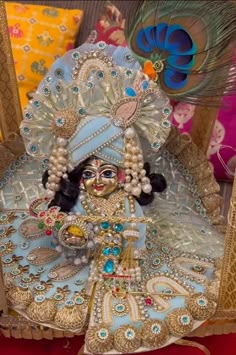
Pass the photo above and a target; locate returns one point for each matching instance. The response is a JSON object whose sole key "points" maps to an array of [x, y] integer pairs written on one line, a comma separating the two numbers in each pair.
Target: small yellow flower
{"points": [[75, 230]]}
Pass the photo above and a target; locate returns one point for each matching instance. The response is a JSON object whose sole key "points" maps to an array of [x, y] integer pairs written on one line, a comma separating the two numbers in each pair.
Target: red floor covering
{"points": [[217, 345]]}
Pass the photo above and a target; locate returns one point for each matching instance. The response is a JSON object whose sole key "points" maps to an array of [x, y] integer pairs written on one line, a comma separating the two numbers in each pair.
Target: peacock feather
{"points": [[187, 46]]}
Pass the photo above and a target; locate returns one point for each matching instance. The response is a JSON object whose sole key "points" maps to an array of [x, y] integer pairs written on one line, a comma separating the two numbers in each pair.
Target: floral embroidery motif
{"points": [[15, 31], [39, 67], [45, 39], [216, 139]]}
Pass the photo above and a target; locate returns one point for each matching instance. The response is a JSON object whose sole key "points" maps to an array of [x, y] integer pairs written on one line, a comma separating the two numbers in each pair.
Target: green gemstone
{"points": [[102, 333], [58, 297], [39, 299], [58, 88], [40, 225], [154, 232], [118, 227], [46, 91], [113, 73], [185, 320], [156, 261], [149, 245], [165, 250], [156, 329], [130, 334], [33, 148], [26, 130], [105, 225], [82, 111], [79, 300], [201, 302], [100, 75], [166, 111], [36, 104], [58, 225], [8, 260], [165, 124], [90, 85], [156, 145], [129, 73], [26, 279], [69, 303], [28, 115], [129, 57], [75, 89], [75, 55], [79, 282], [59, 73]]}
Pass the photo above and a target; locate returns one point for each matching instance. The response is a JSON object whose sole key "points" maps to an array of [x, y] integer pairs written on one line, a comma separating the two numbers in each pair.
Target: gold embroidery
{"points": [[42, 309], [127, 339], [99, 339], [154, 333], [200, 306], [179, 322]]}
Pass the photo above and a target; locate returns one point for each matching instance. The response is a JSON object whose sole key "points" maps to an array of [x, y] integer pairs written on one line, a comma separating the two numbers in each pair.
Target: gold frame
{"points": [[11, 116], [10, 108]]}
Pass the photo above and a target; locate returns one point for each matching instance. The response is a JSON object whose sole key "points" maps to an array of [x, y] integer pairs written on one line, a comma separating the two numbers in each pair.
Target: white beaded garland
{"points": [[135, 180], [57, 167]]}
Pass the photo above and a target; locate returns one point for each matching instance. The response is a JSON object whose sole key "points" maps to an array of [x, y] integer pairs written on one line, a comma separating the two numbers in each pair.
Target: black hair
{"points": [[69, 191], [158, 183]]}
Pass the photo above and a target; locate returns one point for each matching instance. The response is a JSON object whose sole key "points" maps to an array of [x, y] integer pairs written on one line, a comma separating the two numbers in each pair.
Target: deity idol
{"points": [[123, 247]]}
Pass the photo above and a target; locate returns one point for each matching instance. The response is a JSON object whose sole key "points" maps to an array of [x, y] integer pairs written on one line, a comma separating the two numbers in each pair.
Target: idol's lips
{"points": [[99, 187]]}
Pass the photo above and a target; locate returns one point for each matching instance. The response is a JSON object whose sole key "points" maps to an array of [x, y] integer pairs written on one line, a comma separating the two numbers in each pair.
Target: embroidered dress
{"points": [[108, 252]]}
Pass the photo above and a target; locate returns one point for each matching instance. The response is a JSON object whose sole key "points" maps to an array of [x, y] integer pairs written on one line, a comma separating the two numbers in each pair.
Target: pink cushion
{"points": [[223, 140]]}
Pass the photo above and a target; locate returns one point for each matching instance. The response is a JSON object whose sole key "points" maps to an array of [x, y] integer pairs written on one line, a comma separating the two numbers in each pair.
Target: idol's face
{"points": [[100, 178]]}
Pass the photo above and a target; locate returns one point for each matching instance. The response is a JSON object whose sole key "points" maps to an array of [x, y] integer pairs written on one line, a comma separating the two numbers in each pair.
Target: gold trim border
{"points": [[10, 108]]}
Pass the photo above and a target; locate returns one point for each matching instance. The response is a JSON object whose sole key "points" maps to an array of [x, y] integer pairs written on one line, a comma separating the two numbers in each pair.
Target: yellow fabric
{"points": [[39, 34]]}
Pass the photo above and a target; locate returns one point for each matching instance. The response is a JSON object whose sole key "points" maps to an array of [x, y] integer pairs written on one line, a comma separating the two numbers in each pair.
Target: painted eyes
{"points": [[87, 174], [107, 174]]}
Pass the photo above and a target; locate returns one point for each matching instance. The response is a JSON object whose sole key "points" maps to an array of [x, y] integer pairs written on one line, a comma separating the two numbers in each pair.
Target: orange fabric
{"points": [[149, 70], [39, 34]]}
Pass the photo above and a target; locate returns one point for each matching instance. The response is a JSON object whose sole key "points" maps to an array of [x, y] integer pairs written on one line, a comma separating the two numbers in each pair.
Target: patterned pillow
{"points": [[109, 28], [222, 147], [39, 34]]}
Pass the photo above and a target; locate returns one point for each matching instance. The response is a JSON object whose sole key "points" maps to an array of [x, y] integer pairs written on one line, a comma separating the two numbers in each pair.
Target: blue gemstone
{"points": [[145, 85], [116, 251], [106, 251], [105, 225], [118, 227], [108, 266], [130, 92]]}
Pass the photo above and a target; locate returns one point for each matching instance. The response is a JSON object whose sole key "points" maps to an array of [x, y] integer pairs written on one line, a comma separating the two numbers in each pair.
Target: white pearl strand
{"points": [[57, 166], [136, 180]]}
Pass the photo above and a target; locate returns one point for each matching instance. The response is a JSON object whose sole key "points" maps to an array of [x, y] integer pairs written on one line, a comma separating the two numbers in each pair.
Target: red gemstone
{"points": [[48, 232], [148, 301]]}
